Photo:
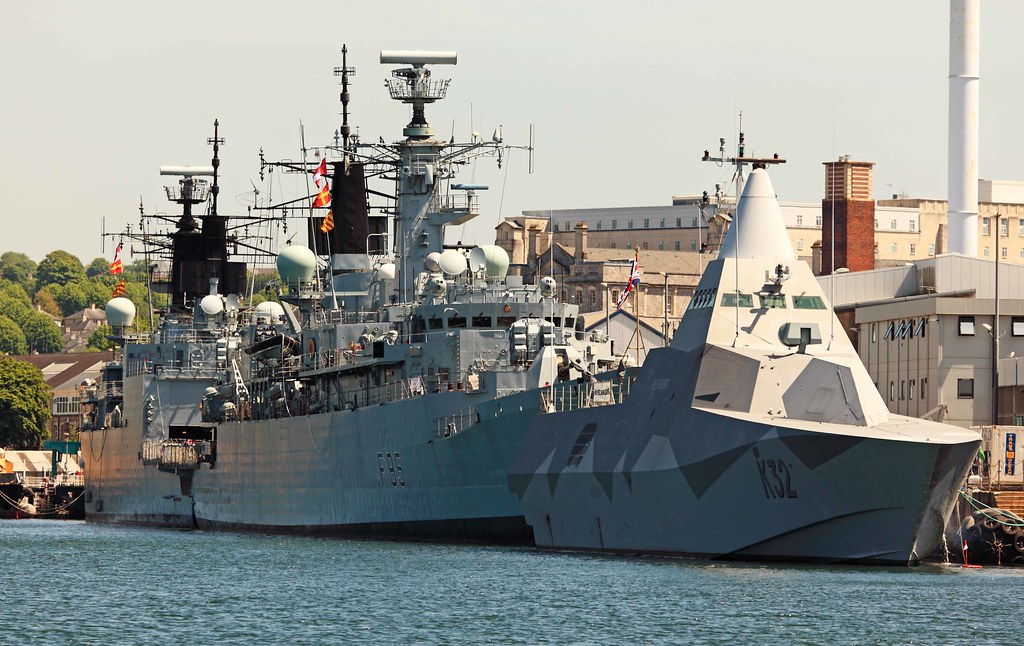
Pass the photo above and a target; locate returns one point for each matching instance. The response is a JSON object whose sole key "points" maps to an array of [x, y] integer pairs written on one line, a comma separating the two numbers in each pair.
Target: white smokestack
{"points": [[964, 72]]}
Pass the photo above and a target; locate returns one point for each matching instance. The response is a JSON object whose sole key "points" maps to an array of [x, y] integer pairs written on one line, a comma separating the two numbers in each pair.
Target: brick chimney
{"points": [[581, 241], [533, 243], [848, 197]]}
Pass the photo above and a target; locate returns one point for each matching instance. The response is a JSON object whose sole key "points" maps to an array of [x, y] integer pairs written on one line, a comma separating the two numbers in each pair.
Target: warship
{"points": [[757, 434], [382, 392]]}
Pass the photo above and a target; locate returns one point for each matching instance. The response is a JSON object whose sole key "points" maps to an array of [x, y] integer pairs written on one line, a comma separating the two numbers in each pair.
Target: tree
{"points": [[17, 267], [70, 298], [44, 300], [12, 340], [100, 339], [14, 308], [98, 267], [42, 334], [24, 405], [59, 267]]}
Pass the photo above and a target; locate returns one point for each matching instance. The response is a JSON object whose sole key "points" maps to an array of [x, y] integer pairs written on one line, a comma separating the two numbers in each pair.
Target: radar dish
{"points": [[231, 302], [120, 312], [430, 263], [452, 262], [211, 305]]}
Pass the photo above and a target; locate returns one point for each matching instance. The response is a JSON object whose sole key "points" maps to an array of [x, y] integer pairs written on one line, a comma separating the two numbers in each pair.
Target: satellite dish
{"points": [[477, 260], [452, 262], [211, 305], [431, 262], [387, 271]]}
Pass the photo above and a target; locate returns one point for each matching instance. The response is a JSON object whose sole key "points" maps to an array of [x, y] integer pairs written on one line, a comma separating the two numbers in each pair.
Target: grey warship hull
{"points": [[713, 485]]}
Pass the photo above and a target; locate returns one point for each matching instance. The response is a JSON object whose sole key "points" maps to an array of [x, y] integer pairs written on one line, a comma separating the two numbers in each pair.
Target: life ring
{"points": [[507, 309]]}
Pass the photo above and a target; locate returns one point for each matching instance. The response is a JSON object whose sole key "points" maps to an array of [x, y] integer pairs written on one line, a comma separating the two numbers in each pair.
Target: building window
{"points": [[924, 387], [615, 296], [615, 224], [1004, 227], [65, 406], [984, 252], [614, 244], [931, 250], [892, 391], [817, 220], [913, 225], [663, 223], [874, 333], [679, 245], [965, 326], [630, 224], [892, 225], [1003, 252], [661, 246], [593, 298], [1017, 326], [910, 390], [893, 248], [599, 225], [679, 222], [554, 226], [506, 236], [876, 224], [965, 389], [986, 228], [647, 223], [694, 222], [800, 244], [799, 220], [903, 390], [645, 246], [913, 249], [1020, 227]]}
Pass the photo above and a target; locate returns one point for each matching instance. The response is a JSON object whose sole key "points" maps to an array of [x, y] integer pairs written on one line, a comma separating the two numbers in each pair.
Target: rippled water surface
{"points": [[71, 582]]}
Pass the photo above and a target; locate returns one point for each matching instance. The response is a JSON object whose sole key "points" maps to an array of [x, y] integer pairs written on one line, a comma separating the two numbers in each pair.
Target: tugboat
{"points": [[758, 434], [387, 389]]}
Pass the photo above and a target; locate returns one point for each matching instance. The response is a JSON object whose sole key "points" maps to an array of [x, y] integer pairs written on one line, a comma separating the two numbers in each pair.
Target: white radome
{"points": [[120, 312], [296, 263]]}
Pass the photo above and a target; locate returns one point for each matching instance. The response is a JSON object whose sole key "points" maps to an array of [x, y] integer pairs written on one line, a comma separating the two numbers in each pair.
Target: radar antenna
{"points": [[344, 72], [413, 85]]}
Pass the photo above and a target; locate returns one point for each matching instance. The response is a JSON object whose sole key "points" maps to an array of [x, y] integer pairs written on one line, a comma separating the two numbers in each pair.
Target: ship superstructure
{"points": [[758, 434], [386, 389]]}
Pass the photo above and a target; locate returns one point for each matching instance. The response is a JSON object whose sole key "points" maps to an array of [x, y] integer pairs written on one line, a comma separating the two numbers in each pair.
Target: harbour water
{"points": [[70, 582]]}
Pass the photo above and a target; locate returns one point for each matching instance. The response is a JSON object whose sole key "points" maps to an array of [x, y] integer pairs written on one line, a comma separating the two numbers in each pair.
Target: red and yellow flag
{"points": [[323, 198], [328, 222], [116, 267], [119, 288], [320, 173]]}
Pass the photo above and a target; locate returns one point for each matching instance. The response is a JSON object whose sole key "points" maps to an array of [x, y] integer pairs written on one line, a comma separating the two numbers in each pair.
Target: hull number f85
{"points": [[390, 469]]}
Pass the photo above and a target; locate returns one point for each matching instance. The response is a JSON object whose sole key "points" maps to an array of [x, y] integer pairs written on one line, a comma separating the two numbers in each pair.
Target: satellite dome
{"points": [[547, 286], [387, 271], [452, 262], [211, 305], [120, 312], [296, 263], [492, 259], [431, 262]]}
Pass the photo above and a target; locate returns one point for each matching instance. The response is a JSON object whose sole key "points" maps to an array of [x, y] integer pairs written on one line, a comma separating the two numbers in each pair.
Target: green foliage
{"points": [[17, 292], [42, 334], [14, 308], [12, 340], [59, 267], [24, 405], [17, 267], [99, 340], [98, 267], [70, 298]]}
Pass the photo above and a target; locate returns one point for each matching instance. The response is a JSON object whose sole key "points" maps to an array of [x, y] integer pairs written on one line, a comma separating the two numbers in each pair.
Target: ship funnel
{"points": [[758, 230]]}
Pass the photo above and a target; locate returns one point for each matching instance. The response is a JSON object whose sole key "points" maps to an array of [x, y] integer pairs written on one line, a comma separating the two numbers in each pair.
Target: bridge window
{"points": [[808, 303], [745, 300], [772, 301]]}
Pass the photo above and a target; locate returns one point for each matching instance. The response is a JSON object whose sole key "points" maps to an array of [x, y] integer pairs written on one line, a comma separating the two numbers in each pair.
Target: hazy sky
{"points": [[625, 98]]}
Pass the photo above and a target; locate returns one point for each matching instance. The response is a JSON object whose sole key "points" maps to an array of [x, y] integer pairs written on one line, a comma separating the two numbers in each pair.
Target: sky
{"points": [[97, 96]]}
